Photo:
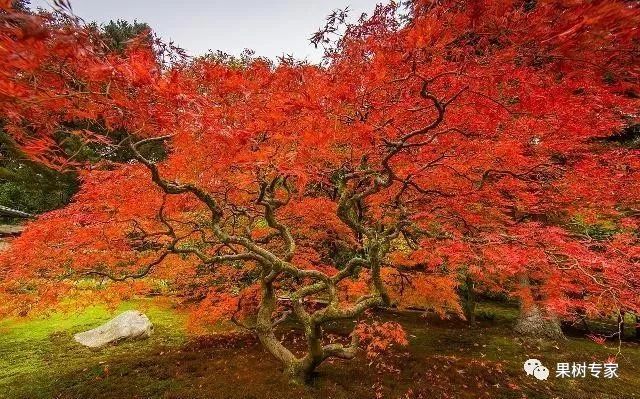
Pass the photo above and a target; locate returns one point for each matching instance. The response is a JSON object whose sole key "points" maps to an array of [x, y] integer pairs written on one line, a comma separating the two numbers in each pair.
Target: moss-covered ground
{"points": [[444, 359]]}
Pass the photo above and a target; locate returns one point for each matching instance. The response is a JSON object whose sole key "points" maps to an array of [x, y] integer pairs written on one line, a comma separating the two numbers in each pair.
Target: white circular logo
{"points": [[535, 368], [541, 373], [531, 365]]}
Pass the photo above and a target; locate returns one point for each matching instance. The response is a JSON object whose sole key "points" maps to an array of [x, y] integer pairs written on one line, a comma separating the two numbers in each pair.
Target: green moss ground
{"points": [[34, 354], [445, 359]]}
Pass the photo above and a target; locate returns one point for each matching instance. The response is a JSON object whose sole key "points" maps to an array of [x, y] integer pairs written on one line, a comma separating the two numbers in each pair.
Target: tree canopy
{"points": [[462, 140]]}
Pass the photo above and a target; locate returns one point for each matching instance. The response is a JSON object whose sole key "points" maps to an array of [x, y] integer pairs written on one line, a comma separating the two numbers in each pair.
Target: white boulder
{"points": [[131, 324]]}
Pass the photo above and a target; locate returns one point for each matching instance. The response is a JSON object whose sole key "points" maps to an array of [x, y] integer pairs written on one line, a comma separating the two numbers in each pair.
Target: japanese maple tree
{"points": [[458, 140]]}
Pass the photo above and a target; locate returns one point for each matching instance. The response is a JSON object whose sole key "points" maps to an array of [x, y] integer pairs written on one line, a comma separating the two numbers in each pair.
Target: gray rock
{"points": [[131, 324], [536, 323]]}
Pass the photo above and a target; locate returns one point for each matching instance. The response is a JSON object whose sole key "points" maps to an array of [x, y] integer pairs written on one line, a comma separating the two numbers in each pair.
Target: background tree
{"points": [[36, 188], [117, 34]]}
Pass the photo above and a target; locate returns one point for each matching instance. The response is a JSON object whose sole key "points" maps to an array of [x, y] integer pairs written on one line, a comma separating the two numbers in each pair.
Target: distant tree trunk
{"points": [[536, 322], [469, 301], [637, 326]]}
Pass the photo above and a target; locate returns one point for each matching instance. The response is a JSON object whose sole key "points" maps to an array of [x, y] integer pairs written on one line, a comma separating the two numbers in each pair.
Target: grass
{"points": [[35, 354], [445, 359]]}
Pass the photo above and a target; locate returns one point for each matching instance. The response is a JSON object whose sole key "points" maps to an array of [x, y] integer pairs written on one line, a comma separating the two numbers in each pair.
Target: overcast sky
{"points": [[270, 27]]}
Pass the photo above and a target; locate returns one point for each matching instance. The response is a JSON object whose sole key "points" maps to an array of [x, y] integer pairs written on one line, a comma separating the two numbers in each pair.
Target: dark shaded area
{"points": [[629, 137], [28, 186]]}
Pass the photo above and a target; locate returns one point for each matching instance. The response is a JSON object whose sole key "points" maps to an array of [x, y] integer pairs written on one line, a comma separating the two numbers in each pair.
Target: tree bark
{"points": [[469, 305], [621, 325], [298, 373], [266, 335]]}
